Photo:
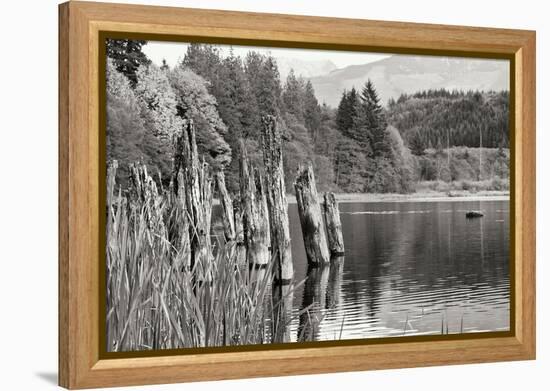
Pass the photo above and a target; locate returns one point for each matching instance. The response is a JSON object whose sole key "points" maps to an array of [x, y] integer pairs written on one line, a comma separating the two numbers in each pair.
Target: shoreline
{"points": [[417, 197]]}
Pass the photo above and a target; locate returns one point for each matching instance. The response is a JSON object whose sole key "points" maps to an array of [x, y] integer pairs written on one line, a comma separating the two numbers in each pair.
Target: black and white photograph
{"points": [[269, 195]]}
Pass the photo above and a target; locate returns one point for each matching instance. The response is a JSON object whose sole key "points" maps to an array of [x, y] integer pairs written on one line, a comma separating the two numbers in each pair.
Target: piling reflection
{"points": [[313, 303], [335, 282], [282, 295]]}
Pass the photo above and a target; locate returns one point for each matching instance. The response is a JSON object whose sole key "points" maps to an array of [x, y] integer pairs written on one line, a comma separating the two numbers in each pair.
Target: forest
{"points": [[358, 147]]}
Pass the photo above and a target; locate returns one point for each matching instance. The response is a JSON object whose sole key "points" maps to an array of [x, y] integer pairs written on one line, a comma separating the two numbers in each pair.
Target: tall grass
{"points": [[157, 300]]}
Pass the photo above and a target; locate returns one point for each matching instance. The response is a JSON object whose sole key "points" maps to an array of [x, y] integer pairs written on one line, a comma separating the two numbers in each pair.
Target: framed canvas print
{"points": [[247, 195]]}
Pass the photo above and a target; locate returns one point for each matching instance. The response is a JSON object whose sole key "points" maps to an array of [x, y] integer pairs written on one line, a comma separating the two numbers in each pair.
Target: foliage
{"points": [[462, 163], [193, 101], [127, 56], [157, 100], [357, 147], [128, 137]]}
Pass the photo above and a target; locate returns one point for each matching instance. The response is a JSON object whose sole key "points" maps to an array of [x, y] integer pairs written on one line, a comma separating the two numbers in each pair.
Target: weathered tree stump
{"points": [[334, 225], [227, 207], [311, 218], [239, 233], [255, 224], [276, 200], [198, 196], [183, 246]]}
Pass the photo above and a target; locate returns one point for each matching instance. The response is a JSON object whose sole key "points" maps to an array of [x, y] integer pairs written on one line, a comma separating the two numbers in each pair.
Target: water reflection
{"points": [[410, 268], [313, 303], [282, 298]]}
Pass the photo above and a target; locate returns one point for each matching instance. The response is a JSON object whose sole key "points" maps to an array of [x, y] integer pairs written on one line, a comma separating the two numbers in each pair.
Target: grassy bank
{"points": [[421, 196]]}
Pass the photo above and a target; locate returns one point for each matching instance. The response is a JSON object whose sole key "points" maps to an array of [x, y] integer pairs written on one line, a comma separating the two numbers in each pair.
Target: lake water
{"points": [[410, 268]]}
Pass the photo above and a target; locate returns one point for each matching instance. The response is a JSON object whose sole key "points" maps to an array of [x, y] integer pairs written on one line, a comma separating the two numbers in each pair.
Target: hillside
{"points": [[437, 117]]}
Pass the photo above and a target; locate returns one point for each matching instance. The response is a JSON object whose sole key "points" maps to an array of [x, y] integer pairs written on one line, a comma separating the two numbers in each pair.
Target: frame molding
{"points": [[80, 24]]}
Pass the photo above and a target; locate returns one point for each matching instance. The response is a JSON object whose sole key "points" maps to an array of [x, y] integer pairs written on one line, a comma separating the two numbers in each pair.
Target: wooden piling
{"points": [[198, 195], [183, 243], [272, 144], [334, 225], [256, 230], [239, 233], [227, 207], [311, 218]]}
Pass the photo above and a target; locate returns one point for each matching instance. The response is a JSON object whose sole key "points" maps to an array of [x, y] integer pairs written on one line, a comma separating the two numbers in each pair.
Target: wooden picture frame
{"points": [[81, 24]]}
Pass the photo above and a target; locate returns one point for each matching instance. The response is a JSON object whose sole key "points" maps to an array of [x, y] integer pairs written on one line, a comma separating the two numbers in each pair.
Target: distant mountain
{"points": [[304, 68], [399, 74]]}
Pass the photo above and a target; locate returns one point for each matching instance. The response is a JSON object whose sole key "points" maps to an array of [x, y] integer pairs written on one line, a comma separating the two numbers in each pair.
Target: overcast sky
{"points": [[174, 51]]}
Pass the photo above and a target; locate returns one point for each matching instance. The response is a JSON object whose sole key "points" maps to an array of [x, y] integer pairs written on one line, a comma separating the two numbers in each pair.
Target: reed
{"points": [[156, 299]]}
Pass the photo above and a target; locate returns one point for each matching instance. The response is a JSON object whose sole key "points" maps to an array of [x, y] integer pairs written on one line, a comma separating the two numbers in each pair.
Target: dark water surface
{"points": [[410, 268]]}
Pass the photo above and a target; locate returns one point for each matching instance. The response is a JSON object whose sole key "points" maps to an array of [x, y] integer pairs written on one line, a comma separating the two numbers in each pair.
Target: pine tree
{"points": [[312, 111], [373, 120], [204, 60], [347, 110], [127, 56], [263, 77], [238, 109], [416, 143], [293, 96]]}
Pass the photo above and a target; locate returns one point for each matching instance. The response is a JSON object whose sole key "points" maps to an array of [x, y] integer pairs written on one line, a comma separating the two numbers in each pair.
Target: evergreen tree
{"points": [[293, 96], [347, 110], [416, 143], [373, 120], [463, 114], [205, 61], [264, 79], [127, 56], [349, 166], [238, 109], [312, 111]]}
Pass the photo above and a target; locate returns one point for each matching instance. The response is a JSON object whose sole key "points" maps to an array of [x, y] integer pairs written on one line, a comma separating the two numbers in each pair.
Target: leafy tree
{"points": [[194, 102], [157, 101], [129, 138], [118, 86], [127, 56]]}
